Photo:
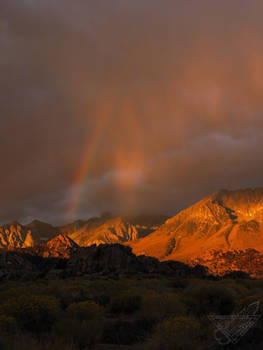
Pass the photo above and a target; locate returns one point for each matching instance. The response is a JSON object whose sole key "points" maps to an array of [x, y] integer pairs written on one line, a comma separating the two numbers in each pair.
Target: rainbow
{"points": [[87, 159], [127, 165]]}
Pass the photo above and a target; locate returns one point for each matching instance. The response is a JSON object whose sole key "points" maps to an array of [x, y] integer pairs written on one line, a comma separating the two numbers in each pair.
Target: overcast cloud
{"points": [[162, 99]]}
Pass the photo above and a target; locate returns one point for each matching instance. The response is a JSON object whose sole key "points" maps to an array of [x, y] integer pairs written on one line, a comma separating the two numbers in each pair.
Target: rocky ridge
{"points": [[226, 221], [101, 230], [65, 259], [223, 232]]}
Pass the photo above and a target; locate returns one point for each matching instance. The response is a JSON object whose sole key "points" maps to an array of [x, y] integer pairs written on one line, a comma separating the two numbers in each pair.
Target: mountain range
{"points": [[223, 232], [99, 230]]}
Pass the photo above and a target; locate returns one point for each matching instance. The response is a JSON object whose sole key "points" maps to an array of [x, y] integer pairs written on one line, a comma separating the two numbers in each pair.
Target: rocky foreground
{"points": [[63, 258]]}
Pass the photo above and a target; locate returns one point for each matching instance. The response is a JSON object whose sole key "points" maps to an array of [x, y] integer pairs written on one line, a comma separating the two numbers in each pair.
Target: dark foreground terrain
{"points": [[126, 313], [60, 296]]}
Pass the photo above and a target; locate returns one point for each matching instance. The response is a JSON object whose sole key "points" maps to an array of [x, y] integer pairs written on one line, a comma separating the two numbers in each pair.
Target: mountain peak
{"points": [[36, 222], [246, 204], [62, 240], [227, 220], [245, 193], [12, 223], [61, 246]]}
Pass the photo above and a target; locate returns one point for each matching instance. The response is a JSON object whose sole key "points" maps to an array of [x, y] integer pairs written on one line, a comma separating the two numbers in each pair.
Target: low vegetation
{"points": [[152, 313]]}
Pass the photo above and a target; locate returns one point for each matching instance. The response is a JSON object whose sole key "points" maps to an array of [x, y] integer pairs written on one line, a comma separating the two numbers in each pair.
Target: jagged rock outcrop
{"points": [[103, 261], [221, 263], [103, 258], [21, 265], [29, 241], [14, 235], [114, 229], [59, 247], [226, 221], [117, 259]]}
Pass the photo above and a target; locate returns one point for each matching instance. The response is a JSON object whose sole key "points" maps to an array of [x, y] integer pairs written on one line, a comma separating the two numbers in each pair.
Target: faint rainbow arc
{"points": [[88, 157]]}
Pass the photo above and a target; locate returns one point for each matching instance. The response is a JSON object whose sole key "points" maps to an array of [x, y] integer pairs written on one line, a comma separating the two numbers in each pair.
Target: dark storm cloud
{"points": [[166, 94]]}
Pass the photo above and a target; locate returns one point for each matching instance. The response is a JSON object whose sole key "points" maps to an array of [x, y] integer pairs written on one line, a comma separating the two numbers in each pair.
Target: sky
{"points": [[131, 107]]}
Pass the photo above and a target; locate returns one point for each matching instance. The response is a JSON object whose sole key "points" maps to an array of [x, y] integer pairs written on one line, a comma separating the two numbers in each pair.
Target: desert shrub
{"points": [[80, 333], [32, 313], [102, 299], [238, 289], [11, 293], [254, 283], [100, 286], [254, 287], [157, 306], [70, 293], [5, 341], [7, 324], [179, 333], [158, 285], [125, 332], [126, 302], [86, 310], [27, 342], [81, 324], [102, 291], [178, 283], [208, 299], [23, 288]]}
